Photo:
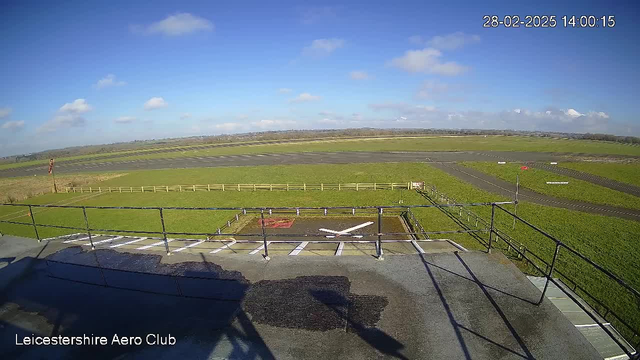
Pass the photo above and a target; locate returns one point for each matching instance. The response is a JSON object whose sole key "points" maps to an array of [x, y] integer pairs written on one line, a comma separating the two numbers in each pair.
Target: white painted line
{"points": [[456, 245], [299, 248], [103, 241], [154, 244], [259, 248], [415, 244], [129, 242], [339, 250], [591, 325], [61, 237], [223, 247], [618, 357], [74, 240], [191, 245]]}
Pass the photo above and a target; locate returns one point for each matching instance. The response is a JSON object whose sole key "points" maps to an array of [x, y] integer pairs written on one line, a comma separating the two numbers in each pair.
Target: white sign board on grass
{"points": [[557, 183]]}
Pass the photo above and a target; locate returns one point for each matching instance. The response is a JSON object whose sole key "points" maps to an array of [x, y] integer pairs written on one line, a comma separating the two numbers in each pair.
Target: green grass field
{"points": [[627, 173], [535, 179], [609, 241], [423, 143]]}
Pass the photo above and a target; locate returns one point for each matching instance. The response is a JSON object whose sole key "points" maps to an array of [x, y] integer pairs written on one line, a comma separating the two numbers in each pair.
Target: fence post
{"points": [[141, 188], [33, 221], [379, 247], [321, 186], [287, 186], [356, 186], [99, 188], [131, 189], [194, 188], [270, 187], [167, 188], [154, 189], [339, 186], [305, 186], [86, 222], [120, 189], [208, 187], [493, 211], [90, 190], [80, 189], [553, 264], [164, 232], [374, 186], [264, 235], [222, 187], [254, 187], [109, 188]]}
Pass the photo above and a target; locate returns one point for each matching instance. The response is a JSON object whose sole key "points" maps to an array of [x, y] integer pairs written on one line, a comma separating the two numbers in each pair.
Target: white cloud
{"points": [[185, 116], [359, 75], [304, 97], [572, 113], [155, 103], [108, 81], [175, 25], [328, 121], [13, 125], [274, 124], [4, 112], [452, 41], [416, 40], [229, 126], [68, 116], [284, 90], [78, 106], [432, 89], [125, 119], [62, 121], [427, 61], [323, 47]]}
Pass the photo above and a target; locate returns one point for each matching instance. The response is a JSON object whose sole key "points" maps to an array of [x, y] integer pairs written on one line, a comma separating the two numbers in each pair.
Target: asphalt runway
{"points": [[348, 157]]}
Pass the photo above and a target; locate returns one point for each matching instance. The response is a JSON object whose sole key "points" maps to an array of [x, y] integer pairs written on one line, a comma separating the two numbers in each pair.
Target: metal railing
{"points": [[241, 187], [373, 210], [633, 333], [549, 268]]}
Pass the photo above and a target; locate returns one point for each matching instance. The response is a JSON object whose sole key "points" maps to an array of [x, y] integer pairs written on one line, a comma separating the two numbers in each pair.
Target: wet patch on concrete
{"points": [[318, 303]]}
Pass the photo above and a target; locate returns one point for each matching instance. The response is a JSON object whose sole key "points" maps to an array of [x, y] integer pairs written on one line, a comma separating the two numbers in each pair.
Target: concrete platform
{"points": [[466, 305]]}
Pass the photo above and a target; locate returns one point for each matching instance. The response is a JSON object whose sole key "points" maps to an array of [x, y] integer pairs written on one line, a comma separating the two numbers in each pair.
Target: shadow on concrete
{"points": [[457, 327], [356, 312], [199, 304]]}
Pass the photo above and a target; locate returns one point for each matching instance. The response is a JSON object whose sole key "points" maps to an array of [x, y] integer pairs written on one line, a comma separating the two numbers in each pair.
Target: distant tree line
{"points": [[300, 134]]}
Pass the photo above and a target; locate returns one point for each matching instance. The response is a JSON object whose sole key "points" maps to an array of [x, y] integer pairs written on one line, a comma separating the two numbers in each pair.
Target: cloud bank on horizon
{"points": [[217, 68]]}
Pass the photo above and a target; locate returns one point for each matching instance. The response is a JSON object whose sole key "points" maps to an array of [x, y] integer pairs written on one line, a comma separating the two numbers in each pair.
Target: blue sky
{"points": [[81, 72]]}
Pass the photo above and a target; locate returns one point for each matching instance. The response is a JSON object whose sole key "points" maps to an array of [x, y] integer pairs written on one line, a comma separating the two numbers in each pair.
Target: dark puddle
{"points": [[317, 303]]}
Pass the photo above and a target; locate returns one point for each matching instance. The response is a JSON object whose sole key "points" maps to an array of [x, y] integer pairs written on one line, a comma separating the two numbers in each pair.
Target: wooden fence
{"points": [[245, 187]]}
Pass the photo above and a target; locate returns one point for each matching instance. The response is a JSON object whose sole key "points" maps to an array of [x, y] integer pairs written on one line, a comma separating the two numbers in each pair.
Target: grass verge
{"points": [[623, 172], [536, 180]]}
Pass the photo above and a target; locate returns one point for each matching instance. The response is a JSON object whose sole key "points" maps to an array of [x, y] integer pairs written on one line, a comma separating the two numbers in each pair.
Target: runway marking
{"points": [[60, 237], [188, 246], [591, 325], [259, 248], [103, 241], [129, 242], [457, 245], [418, 247], [74, 240], [339, 249], [226, 246], [299, 248], [154, 244]]}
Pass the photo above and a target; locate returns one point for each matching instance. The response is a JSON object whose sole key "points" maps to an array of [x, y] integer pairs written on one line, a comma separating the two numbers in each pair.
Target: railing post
{"points": [[553, 264], [86, 223], [164, 232], [33, 221], [493, 211], [264, 235], [379, 244]]}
